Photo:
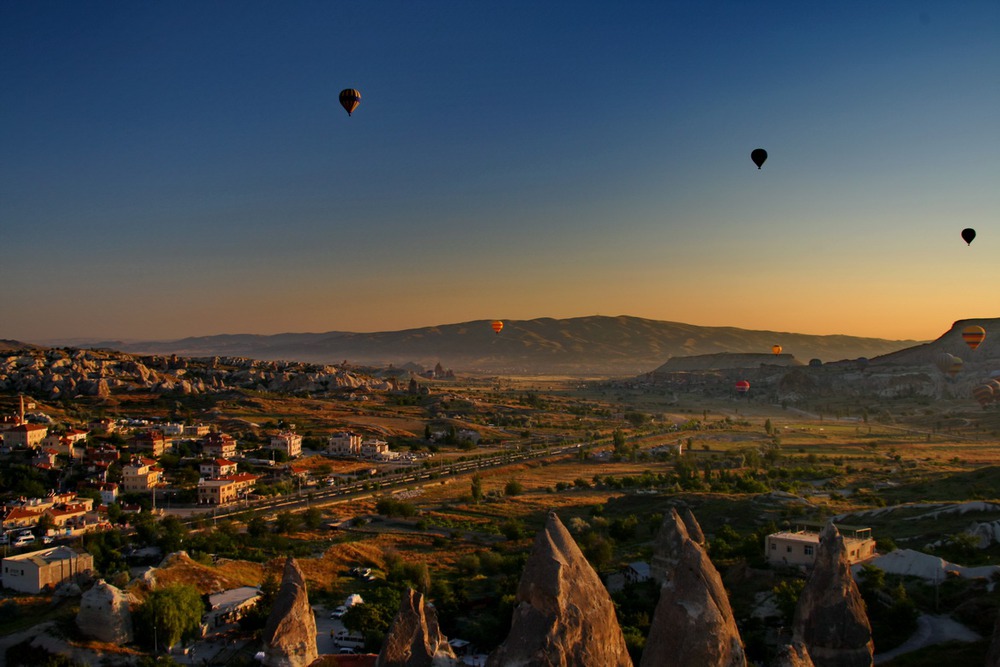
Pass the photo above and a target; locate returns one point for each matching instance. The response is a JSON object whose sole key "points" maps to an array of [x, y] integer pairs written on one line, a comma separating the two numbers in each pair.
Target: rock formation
{"points": [[414, 639], [693, 623], [792, 655], [693, 527], [105, 614], [290, 632], [831, 619], [667, 545], [564, 616]]}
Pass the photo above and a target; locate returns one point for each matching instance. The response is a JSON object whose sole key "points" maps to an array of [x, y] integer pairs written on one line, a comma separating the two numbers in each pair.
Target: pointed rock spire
{"points": [[693, 527], [831, 618], [290, 631], [564, 616], [693, 623], [414, 639], [667, 545]]}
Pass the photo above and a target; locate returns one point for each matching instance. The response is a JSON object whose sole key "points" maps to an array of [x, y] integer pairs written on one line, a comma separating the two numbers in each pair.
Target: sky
{"points": [[184, 168]]}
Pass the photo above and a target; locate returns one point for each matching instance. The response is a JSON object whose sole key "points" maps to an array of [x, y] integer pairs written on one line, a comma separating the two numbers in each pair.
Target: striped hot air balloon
{"points": [[956, 366], [497, 326], [742, 387], [973, 335], [350, 99], [984, 394]]}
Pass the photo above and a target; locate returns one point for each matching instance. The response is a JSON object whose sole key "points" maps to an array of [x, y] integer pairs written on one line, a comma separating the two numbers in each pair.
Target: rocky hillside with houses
{"points": [[55, 373]]}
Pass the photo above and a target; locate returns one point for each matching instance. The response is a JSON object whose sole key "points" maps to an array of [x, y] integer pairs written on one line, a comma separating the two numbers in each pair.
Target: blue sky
{"points": [[184, 168]]}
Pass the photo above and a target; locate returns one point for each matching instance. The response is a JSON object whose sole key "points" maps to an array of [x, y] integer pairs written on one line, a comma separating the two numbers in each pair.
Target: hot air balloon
{"points": [[984, 394], [350, 99], [758, 155], [956, 366], [742, 387], [497, 326], [973, 335], [944, 361], [995, 385], [776, 349], [968, 234]]}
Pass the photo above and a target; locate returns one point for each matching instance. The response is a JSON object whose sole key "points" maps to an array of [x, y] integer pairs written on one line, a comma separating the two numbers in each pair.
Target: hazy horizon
{"points": [[186, 169]]}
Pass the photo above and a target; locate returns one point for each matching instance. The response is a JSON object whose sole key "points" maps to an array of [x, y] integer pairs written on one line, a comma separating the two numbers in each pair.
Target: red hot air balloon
{"points": [[968, 234], [350, 99], [497, 326], [758, 155], [973, 335], [742, 387]]}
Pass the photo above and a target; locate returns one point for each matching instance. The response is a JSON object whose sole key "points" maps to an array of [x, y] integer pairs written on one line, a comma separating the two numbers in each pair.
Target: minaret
{"points": [[20, 415]]}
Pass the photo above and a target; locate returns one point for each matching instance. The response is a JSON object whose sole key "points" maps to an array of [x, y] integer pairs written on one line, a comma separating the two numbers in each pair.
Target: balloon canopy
{"points": [[350, 99], [968, 234], [758, 155], [742, 387], [497, 326], [973, 335], [776, 349]]}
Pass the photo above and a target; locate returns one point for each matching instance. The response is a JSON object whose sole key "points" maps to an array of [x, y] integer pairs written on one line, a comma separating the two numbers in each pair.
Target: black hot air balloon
{"points": [[968, 234], [349, 99], [758, 155]]}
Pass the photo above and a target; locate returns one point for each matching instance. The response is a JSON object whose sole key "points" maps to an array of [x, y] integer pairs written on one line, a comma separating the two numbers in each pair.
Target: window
{"points": [[808, 549], [789, 548], [773, 546]]}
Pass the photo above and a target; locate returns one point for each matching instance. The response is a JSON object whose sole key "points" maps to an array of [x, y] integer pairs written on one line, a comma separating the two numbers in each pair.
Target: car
{"points": [[24, 540], [346, 650], [338, 612], [46, 539]]}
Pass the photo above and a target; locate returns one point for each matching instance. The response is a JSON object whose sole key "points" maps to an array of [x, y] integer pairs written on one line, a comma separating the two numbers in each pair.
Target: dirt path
{"points": [[931, 630]]}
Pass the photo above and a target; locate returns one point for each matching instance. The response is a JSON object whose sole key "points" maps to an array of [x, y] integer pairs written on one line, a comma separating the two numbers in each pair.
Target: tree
{"points": [[170, 614], [312, 518], [477, 489], [513, 488]]}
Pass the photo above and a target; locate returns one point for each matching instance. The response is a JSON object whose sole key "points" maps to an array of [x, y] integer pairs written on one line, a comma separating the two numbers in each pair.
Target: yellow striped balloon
{"points": [[350, 99]]}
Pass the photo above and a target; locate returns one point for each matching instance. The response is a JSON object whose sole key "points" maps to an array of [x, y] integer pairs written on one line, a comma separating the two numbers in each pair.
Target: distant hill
{"points": [[596, 345]]}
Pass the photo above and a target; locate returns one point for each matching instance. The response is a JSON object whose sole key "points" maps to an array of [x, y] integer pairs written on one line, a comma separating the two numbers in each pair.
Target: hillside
{"points": [[595, 345]]}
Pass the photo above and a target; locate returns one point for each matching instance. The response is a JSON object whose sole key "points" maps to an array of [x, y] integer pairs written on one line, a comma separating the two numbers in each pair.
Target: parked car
{"points": [[338, 612], [24, 540]]}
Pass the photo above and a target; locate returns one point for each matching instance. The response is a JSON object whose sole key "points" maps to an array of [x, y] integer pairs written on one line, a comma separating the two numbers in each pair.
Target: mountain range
{"points": [[581, 346]]}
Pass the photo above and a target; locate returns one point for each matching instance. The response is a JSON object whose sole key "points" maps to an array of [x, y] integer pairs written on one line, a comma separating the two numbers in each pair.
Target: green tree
{"points": [[312, 518], [170, 614], [477, 489], [513, 488]]}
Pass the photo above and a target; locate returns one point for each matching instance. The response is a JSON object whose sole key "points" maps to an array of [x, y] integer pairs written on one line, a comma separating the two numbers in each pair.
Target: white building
{"points": [[288, 442], [344, 443]]}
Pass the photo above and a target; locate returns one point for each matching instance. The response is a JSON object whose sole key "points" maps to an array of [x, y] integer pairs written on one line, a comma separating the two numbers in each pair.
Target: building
{"points": [[37, 571], [140, 475], [217, 468], [374, 449], [25, 435], [219, 445], [225, 490], [197, 430], [288, 442], [216, 491], [344, 443], [152, 441], [798, 547], [230, 606]]}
